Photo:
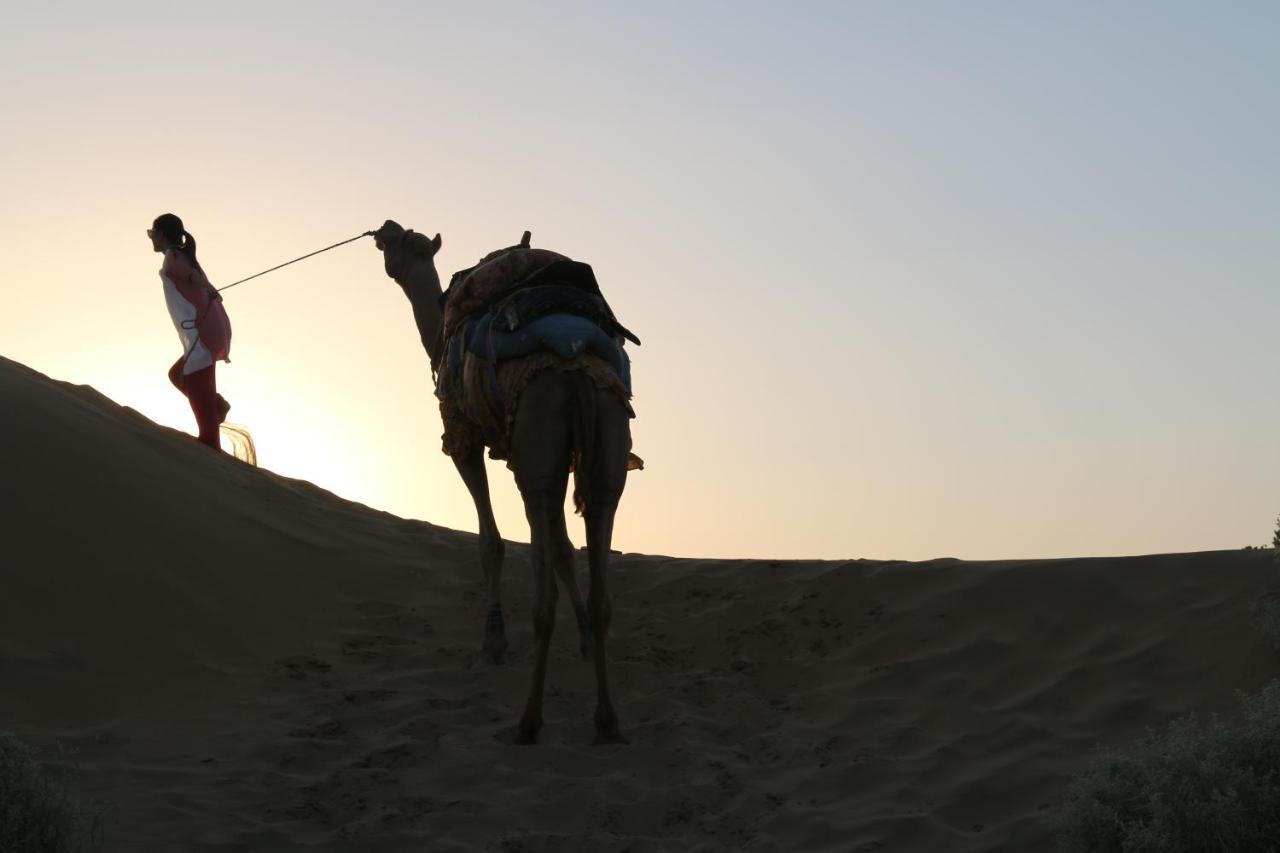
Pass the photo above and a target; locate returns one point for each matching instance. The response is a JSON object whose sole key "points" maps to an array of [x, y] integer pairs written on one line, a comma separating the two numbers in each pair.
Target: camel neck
{"points": [[421, 284]]}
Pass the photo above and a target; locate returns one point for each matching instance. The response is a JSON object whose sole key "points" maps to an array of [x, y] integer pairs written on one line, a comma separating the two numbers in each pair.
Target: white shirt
{"points": [[183, 314]]}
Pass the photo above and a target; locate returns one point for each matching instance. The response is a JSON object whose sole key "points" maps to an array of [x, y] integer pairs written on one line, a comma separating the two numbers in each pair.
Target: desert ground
{"points": [[235, 661]]}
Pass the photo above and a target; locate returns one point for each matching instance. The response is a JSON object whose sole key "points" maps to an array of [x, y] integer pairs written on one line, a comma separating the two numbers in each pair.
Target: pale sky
{"points": [[980, 280]]}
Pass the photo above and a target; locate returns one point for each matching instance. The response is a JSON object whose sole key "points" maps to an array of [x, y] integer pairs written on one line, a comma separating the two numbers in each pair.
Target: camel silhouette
{"points": [[562, 420]]}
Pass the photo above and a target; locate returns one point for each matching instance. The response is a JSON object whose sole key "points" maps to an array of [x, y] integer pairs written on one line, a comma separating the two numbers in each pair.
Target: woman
{"points": [[201, 321]]}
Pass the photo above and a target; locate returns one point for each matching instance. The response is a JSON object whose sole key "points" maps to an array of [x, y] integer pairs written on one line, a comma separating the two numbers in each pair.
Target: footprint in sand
{"points": [[305, 666]]}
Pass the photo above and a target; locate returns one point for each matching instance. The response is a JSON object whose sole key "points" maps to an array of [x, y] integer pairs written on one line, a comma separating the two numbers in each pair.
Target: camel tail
{"points": [[584, 438]]}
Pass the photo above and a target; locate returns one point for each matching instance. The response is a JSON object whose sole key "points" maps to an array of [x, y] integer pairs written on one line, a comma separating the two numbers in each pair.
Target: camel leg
{"points": [[539, 460], [599, 520], [543, 546], [565, 571], [613, 444], [492, 550]]}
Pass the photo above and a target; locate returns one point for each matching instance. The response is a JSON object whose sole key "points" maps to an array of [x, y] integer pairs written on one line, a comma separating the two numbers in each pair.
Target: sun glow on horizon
{"points": [[986, 283]]}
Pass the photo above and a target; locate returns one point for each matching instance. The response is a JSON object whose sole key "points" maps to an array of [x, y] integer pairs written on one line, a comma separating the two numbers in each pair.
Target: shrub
{"points": [[36, 815], [1196, 788]]}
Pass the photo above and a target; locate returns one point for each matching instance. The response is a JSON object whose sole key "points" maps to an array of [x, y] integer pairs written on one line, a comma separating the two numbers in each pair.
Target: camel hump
{"points": [[499, 272]]}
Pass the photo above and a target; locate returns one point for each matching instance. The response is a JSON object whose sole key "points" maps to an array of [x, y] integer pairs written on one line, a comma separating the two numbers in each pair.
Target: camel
{"points": [[543, 440]]}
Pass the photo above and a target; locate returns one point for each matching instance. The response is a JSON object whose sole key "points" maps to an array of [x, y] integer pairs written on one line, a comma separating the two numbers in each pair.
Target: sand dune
{"points": [[283, 669]]}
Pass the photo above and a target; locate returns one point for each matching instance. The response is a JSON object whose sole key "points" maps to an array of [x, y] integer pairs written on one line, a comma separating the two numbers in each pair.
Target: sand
{"points": [[240, 662]]}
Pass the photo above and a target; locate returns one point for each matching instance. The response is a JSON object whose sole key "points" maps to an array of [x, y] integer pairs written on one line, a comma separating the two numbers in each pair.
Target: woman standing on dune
{"points": [[201, 321]]}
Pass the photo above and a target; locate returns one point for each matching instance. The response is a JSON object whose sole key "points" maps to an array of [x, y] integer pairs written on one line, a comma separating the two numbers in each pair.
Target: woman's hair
{"points": [[171, 227]]}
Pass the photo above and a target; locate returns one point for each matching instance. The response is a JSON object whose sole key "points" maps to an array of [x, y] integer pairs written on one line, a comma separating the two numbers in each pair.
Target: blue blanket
{"points": [[566, 335]]}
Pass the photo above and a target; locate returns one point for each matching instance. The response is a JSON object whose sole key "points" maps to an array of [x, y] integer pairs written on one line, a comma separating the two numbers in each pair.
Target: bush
{"points": [[36, 815], [1195, 789]]}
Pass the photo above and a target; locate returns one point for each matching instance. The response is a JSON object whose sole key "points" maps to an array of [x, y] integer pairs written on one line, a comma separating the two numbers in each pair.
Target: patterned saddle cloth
{"points": [[518, 312]]}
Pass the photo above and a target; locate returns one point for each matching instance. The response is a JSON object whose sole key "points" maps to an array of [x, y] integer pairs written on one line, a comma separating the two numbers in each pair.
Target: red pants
{"points": [[201, 391]]}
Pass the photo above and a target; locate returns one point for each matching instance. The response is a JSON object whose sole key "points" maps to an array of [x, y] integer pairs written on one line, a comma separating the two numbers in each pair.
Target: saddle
{"points": [[517, 312], [519, 300]]}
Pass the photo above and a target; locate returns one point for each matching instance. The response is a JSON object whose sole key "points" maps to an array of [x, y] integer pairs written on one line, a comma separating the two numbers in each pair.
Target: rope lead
{"points": [[295, 260]]}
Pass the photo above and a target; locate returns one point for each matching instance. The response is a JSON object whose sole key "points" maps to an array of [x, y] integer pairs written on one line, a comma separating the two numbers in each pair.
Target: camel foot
{"points": [[605, 738], [527, 732], [607, 732]]}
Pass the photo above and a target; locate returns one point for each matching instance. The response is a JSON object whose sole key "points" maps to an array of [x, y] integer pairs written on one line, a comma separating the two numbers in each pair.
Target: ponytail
{"points": [[188, 248]]}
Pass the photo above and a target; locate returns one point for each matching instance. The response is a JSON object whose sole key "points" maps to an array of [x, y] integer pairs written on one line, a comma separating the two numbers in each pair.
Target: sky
{"points": [[984, 280]]}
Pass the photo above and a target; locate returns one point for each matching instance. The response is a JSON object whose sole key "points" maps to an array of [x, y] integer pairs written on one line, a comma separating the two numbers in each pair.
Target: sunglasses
{"points": [[151, 232]]}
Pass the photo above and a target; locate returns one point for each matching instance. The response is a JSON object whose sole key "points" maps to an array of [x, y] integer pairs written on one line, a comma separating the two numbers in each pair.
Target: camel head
{"points": [[405, 251]]}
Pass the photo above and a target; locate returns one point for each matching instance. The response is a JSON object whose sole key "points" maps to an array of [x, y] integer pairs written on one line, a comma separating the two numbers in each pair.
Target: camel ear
{"points": [[435, 244]]}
